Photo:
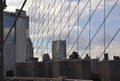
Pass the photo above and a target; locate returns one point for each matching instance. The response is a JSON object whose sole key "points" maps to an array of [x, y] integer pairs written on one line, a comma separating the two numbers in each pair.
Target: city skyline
{"points": [[112, 25]]}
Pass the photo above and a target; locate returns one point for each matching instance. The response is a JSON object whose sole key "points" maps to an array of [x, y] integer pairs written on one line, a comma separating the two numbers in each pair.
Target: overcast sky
{"points": [[112, 25], [13, 4]]}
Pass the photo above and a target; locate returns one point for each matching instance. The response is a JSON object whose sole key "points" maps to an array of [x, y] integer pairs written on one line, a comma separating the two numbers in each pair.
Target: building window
{"points": [[9, 73]]}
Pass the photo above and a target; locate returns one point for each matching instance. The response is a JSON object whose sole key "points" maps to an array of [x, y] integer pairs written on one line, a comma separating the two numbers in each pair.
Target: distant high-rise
{"points": [[59, 50]]}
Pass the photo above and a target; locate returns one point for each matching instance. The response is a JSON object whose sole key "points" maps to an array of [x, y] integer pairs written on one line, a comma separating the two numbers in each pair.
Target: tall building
{"points": [[18, 46], [59, 50], [21, 37]]}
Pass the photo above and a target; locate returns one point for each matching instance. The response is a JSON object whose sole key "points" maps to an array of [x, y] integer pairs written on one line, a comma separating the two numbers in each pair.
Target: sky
{"points": [[36, 13]]}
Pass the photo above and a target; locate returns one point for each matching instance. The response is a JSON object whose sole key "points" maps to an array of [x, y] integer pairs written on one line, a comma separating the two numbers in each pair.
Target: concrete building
{"points": [[18, 47], [109, 70], [72, 69], [21, 37], [29, 54], [59, 50], [33, 69], [93, 62], [9, 45]]}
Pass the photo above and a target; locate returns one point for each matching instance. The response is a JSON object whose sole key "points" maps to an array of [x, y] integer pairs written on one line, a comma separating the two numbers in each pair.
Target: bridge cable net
{"points": [[76, 21]]}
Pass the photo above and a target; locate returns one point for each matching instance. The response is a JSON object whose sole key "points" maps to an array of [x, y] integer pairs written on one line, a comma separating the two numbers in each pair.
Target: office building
{"points": [[59, 50], [18, 46]]}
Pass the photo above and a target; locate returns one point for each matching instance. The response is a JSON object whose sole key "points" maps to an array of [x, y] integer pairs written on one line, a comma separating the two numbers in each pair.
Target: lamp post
{"points": [[2, 6]]}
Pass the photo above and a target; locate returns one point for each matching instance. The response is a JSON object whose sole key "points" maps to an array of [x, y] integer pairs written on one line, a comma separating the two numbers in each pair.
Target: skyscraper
{"points": [[59, 50], [18, 46]]}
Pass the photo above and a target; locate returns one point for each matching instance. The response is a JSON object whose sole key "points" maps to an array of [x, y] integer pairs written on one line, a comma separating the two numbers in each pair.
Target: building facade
{"points": [[109, 70], [18, 46], [72, 69], [59, 50]]}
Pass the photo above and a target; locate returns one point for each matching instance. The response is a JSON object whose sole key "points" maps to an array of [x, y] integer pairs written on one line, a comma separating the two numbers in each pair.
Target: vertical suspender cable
{"points": [[78, 28], [60, 18], [89, 27], [68, 22], [54, 21], [48, 24], [104, 25], [42, 46]]}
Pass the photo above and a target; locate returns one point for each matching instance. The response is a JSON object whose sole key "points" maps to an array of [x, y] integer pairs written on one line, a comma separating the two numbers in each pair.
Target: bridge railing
{"points": [[41, 79]]}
